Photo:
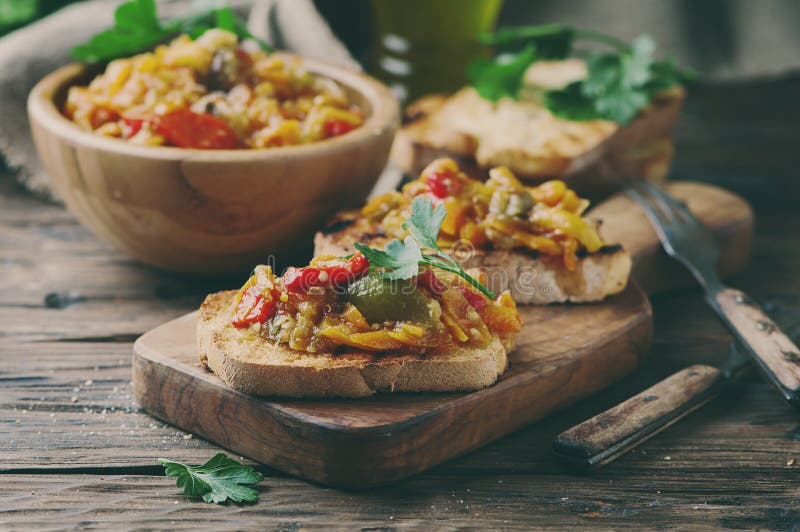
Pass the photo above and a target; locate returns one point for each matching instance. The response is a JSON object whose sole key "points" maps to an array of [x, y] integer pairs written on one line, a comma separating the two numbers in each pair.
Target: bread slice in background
{"points": [[594, 157], [250, 364], [532, 279]]}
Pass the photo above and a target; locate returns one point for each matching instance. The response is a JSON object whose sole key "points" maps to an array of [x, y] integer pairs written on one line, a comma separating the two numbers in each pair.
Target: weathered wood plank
{"points": [[449, 501], [730, 464]]}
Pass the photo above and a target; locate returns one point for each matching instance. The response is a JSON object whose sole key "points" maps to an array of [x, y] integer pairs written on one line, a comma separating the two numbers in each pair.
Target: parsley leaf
{"points": [[137, 29], [617, 86], [403, 258], [619, 82], [551, 41], [501, 76], [425, 221], [218, 480]]}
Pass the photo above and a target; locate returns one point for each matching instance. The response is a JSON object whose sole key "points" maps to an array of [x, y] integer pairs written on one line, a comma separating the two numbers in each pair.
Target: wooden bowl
{"points": [[211, 211]]}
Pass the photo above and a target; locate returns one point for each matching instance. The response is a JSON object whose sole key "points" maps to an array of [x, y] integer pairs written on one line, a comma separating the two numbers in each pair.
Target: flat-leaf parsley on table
{"points": [[218, 480], [402, 258]]}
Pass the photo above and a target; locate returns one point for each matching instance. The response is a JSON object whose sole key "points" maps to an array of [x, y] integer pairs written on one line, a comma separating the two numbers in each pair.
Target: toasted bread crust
{"points": [[594, 157], [249, 364]]}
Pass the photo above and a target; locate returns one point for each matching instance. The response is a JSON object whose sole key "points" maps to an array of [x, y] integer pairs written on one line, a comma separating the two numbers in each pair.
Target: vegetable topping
{"points": [[410, 298], [211, 87], [501, 213]]}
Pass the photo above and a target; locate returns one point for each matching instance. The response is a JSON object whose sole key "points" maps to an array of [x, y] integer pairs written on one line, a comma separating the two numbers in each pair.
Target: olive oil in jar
{"points": [[424, 46]]}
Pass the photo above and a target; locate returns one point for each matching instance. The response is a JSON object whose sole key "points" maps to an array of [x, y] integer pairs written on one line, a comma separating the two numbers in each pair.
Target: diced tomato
{"points": [[103, 115], [301, 279], [443, 184], [335, 127], [475, 299], [135, 124], [244, 57], [187, 129], [429, 280], [255, 306]]}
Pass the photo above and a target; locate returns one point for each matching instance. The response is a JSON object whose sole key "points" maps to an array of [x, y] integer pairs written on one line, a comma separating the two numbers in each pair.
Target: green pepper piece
{"points": [[381, 300]]}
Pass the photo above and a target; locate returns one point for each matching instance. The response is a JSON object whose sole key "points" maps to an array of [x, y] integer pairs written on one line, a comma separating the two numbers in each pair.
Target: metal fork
{"points": [[685, 239]]}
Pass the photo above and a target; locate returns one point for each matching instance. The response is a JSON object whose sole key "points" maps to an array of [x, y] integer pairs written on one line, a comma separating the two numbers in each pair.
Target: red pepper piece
{"points": [[254, 307], [443, 184], [474, 299], [429, 280], [359, 264], [335, 127], [186, 129], [301, 279]]}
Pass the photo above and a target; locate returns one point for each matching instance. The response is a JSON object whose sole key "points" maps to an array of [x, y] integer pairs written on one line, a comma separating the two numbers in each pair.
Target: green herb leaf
{"points": [[551, 41], [425, 221], [407, 256], [570, 103], [501, 76], [137, 29], [403, 258], [618, 85], [218, 480], [14, 13]]}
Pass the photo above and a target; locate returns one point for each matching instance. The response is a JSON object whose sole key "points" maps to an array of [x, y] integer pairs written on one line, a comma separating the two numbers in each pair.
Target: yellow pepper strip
{"points": [[502, 315], [375, 340], [455, 213], [537, 243], [570, 224], [570, 201], [455, 329], [354, 317], [502, 177], [549, 192], [372, 341]]}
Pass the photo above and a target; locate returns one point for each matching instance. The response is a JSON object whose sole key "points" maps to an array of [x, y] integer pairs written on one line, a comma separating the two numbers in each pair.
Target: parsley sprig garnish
{"points": [[137, 28], [620, 81], [218, 480], [402, 258]]}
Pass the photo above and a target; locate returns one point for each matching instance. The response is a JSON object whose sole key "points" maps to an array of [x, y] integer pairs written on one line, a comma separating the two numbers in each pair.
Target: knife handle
{"points": [[775, 353], [601, 439]]}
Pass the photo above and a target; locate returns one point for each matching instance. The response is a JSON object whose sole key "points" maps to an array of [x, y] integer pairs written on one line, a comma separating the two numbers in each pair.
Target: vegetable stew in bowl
{"points": [[214, 92]]}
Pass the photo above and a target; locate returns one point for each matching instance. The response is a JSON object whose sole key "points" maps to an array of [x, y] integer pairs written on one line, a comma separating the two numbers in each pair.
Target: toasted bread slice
{"points": [[593, 157], [250, 364], [532, 279]]}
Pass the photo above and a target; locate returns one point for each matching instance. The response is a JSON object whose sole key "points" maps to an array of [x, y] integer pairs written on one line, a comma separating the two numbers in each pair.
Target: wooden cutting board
{"points": [[564, 353]]}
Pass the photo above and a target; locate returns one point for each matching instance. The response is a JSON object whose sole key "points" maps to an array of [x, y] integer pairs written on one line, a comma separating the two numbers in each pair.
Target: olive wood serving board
{"points": [[564, 353]]}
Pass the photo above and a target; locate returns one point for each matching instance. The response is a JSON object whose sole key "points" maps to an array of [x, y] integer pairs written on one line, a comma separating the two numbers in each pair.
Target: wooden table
{"points": [[76, 451]]}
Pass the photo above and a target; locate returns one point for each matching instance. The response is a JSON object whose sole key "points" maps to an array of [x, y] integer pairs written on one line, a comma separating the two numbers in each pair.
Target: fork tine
{"points": [[679, 209], [668, 213], [657, 217]]}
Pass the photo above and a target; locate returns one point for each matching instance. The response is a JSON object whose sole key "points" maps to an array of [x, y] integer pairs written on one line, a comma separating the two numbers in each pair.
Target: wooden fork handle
{"points": [[603, 438], [775, 353]]}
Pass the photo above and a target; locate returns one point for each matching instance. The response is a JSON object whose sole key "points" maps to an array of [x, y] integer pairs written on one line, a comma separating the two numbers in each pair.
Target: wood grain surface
{"points": [[607, 435], [755, 328], [563, 354], [70, 308]]}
